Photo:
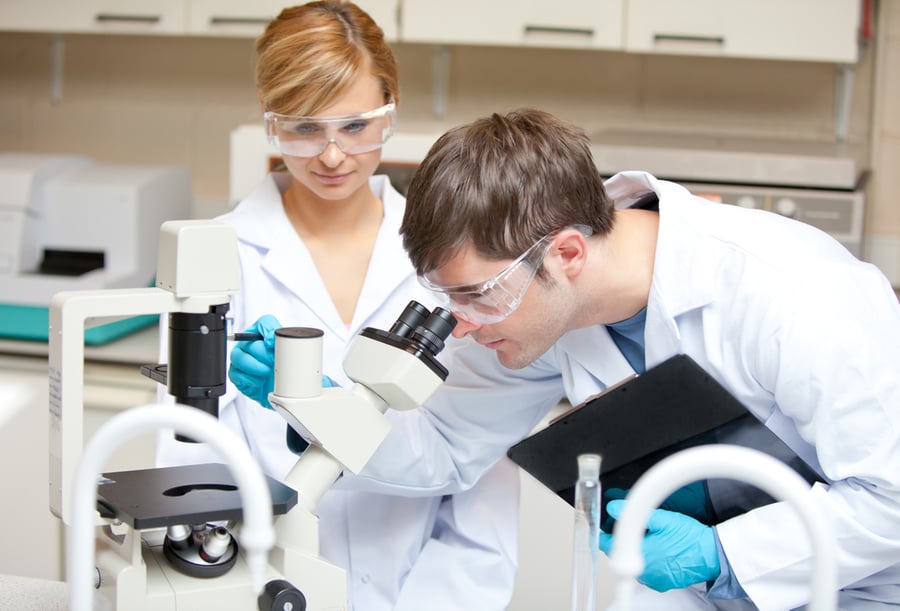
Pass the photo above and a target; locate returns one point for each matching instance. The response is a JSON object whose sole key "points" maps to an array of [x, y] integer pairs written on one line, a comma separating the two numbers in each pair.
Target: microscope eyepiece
{"points": [[413, 316], [436, 328]]}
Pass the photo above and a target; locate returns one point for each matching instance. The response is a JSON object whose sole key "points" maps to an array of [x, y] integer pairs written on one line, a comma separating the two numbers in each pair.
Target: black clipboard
{"points": [[638, 422]]}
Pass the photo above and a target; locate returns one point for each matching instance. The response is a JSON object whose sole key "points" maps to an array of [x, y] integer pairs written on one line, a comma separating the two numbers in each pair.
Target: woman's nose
{"points": [[332, 156]]}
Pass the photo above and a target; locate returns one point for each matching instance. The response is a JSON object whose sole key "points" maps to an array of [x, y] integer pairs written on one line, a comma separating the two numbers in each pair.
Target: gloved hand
{"points": [[691, 500], [252, 367], [678, 550]]}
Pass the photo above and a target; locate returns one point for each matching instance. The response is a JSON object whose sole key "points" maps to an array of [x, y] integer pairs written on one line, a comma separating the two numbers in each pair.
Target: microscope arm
{"points": [[69, 311], [197, 267]]}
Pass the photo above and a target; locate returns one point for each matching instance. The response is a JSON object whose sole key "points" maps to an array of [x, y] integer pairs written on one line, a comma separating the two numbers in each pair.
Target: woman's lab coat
{"points": [[455, 552], [805, 335]]}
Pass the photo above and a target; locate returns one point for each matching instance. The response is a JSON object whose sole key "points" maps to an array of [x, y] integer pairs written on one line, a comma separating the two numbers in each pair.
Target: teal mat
{"points": [[31, 323]]}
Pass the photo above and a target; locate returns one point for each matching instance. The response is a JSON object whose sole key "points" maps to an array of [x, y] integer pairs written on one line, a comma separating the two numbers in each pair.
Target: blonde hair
{"points": [[311, 53]]}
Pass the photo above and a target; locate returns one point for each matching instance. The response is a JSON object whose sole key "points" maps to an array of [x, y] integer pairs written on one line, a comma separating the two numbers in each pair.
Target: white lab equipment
{"points": [[585, 547], [143, 566], [257, 535], [69, 223], [722, 461], [395, 368]]}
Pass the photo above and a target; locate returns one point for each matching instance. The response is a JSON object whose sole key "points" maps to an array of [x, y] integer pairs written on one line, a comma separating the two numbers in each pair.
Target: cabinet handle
{"points": [[546, 29], [239, 20], [717, 41], [109, 17]]}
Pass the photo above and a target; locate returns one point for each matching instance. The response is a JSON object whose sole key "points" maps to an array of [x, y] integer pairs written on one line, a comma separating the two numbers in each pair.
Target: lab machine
{"points": [[165, 538], [70, 223]]}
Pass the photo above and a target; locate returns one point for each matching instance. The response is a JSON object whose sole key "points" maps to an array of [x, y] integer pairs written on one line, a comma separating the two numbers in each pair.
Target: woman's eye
{"points": [[306, 129], [356, 126]]}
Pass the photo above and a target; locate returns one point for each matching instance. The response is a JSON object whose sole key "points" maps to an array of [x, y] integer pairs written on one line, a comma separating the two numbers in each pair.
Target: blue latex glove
{"points": [[252, 367], [678, 550], [691, 500]]}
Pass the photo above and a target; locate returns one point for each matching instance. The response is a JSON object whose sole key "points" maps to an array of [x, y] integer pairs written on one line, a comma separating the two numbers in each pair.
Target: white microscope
{"points": [[160, 539]]}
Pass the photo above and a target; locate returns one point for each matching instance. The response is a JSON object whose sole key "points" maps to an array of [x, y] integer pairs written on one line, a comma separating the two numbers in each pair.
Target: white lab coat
{"points": [[806, 336], [401, 553]]}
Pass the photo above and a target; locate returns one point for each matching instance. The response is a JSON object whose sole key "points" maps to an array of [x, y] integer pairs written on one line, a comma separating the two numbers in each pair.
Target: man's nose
{"points": [[463, 327]]}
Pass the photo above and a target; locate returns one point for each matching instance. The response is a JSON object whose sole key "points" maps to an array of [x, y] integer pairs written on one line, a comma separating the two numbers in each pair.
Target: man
{"points": [[574, 285]]}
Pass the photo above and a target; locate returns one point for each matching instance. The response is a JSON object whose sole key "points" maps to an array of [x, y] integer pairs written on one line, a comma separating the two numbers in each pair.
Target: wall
{"points": [[883, 220], [174, 100]]}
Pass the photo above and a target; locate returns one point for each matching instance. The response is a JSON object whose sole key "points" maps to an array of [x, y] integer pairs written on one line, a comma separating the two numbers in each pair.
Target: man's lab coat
{"points": [[806, 336]]}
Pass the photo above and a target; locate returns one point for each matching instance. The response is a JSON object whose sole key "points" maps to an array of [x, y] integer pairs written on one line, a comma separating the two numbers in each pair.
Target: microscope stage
{"points": [[191, 494]]}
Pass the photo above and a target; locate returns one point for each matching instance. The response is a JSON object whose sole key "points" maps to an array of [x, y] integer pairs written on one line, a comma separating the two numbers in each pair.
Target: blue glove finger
{"points": [[614, 494], [606, 541], [614, 509], [691, 500], [266, 326]]}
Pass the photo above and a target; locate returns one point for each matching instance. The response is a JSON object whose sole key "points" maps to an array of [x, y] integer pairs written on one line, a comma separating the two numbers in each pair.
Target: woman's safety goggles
{"points": [[310, 136], [492, 300]]}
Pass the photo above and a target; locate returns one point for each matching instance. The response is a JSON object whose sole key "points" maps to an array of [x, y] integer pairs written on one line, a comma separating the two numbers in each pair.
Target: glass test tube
{"points": [[586, 544]]}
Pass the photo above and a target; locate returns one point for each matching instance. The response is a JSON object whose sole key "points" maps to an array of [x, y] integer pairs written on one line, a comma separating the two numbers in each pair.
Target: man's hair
{"points": [[500, 183]]}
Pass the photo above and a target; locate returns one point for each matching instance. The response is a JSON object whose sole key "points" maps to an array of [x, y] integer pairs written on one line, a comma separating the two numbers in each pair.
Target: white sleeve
{"points": [[466, 426], [470, 561], [829, 356]]}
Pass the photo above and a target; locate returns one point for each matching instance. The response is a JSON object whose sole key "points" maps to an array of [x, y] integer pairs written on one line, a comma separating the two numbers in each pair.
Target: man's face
{"points": [[529, 331]]}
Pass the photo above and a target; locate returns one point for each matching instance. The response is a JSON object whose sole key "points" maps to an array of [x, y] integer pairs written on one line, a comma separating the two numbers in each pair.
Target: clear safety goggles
{"points": [[354, 134], [490, 301]]}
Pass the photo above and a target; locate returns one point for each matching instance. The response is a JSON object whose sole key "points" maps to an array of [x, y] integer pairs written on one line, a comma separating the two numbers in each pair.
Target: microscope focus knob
{"points": [[280, 595]]}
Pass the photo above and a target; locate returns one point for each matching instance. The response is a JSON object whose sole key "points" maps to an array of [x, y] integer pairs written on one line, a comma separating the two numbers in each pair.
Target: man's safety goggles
{"points": [[310, 136], [492, 300]]}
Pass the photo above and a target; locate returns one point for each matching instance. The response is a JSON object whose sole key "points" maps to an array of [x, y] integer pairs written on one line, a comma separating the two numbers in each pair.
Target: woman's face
{"points": [[334, 174]]}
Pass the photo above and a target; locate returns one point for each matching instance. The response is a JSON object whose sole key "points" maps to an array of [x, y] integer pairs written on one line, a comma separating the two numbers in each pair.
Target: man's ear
{"points": [[571, 247]]}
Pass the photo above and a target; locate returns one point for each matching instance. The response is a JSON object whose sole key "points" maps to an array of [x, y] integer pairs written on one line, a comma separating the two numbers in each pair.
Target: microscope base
{"points": [[147, 582]]}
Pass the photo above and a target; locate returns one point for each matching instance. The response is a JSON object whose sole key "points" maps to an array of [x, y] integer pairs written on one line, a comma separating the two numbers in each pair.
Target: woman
{"points": [[319, 247]]}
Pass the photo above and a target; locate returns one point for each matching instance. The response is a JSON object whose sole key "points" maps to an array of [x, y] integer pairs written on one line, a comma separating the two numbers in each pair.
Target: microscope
{"points": [[165, 537]]}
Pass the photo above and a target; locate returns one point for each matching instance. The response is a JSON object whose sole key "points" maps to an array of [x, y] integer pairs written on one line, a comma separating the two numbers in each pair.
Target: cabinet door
{"points": [[125, 16], [566, 23], [94, 16], [240, 18], [803, 30]]}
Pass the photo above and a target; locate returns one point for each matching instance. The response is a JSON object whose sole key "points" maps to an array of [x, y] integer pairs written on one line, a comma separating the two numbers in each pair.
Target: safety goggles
{"points": [[310, 136], [490, 301]]}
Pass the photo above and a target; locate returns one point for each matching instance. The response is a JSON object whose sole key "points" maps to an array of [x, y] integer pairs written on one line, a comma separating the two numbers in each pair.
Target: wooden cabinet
{"points": [[239, 18], [803, 30], [94, 16], [566, 23], [235, 18], [800, 30]]}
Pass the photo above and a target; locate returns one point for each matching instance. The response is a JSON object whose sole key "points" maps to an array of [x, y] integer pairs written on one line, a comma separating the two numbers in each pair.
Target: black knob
{"points": [[280, 595]]}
